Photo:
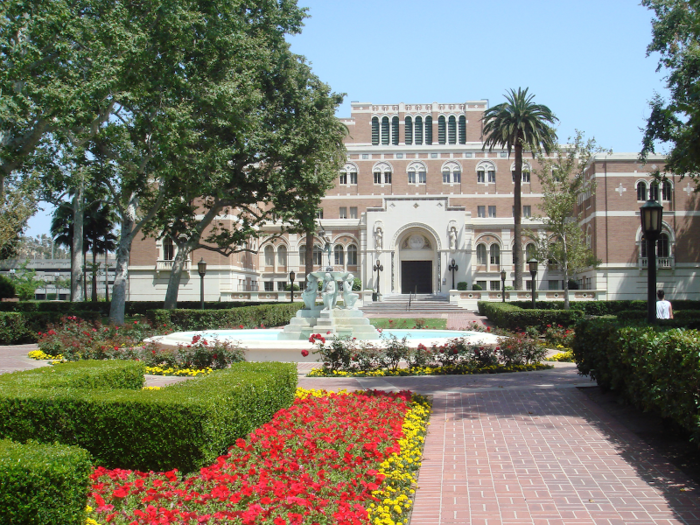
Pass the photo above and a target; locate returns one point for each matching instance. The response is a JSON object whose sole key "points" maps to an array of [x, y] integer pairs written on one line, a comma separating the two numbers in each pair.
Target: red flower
{"points": [[488, 328], [305, 353], [240, 326]]}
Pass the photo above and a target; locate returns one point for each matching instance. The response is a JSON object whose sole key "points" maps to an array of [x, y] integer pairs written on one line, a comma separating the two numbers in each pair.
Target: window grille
{"points": [[428, 130], [419, 131], [441, 130], [462, 129], [385, 130], [452, 130], [395, 131], [408, 131], [375, 131]]}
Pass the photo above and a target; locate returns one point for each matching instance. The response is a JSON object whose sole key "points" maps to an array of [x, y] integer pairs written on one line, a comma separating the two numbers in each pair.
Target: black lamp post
{"points": [[503, 285], [202, 269], [532, 263], [292, 275], [652, 215], [453, 268], [378, 268]]}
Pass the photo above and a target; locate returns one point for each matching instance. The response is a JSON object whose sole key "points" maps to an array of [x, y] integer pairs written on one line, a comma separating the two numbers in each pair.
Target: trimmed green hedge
{"points": [[95, 405], [23, 327], [656, 368], [249, 316], [603, 307], [512, 317], [43, 484]]}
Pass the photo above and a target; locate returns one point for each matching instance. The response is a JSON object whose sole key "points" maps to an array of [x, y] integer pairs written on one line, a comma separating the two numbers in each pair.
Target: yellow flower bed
{"points": [[189, 372], [40, 355], [564, 357]]}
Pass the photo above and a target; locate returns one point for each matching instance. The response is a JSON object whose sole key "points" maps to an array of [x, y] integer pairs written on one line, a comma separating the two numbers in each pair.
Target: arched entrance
{"points": [[417, 260]]}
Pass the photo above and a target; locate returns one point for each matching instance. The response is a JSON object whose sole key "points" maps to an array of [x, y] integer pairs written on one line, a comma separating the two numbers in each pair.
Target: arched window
{"points": [[348, 175], [654, 191], [481, 254], [452, 130], [408, 131], [352, 255], [428, 130], [416, 173], [269, 255], [302, 255], [486, 173], [282, 256], [451, 173], [385, 130], [318, 255], [665, 191], [641, 191], [375, 131], [395, 131], [525, 174], [530, 252], [441, 129], [495, 255], [339, 255], [419, 131], [662, 246], [382, 173], [168, 249], [462, 129]]}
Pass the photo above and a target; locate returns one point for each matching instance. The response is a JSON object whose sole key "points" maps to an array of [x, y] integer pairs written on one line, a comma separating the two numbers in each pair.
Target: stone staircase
{"points": [[419, 304]]}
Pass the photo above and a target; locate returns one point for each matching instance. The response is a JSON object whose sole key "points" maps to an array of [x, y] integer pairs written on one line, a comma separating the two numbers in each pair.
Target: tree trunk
{"points": [[118, 305], [94, 277], [517, 217], [175, 275], [566, 276], [309, 253], [107, 276], [84, 280], [77, 256]]}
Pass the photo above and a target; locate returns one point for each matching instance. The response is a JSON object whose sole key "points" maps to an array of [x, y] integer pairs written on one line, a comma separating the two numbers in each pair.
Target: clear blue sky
{"points": [[586, 60]]}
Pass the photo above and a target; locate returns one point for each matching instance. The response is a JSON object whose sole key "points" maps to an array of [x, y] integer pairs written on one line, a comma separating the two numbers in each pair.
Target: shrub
{"points": [[43, 484], [557, 336], [7, 288], [200, 354], [13, 329], [462, 285], [249, 316], [512, 317], [521, 349], [184, 426], [476, 287]]}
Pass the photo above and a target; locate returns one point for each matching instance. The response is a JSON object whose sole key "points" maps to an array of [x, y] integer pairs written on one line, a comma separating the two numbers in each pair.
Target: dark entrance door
{"points": [[417, 277]]}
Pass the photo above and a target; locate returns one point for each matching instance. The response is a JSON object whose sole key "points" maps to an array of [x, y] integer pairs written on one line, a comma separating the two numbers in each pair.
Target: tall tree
{"points": [[515, 125], [675, 123], [565, 185], [17, 204]]}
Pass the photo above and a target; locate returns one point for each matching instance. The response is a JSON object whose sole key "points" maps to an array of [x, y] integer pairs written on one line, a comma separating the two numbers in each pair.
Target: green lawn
{"points": [[403, 323]]}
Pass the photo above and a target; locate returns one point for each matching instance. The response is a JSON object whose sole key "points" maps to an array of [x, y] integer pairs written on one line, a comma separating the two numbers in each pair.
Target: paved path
{"points": [[526, 448]]}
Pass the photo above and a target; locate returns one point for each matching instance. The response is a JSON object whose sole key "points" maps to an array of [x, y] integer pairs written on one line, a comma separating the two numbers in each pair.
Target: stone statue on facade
{"points": [[349, 297], [453, 239], [310, 292], [378, 238], [329, 292]]}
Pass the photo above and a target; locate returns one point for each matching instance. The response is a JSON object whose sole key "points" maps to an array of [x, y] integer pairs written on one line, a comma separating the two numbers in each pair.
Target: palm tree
{"points": [[516, 124]]}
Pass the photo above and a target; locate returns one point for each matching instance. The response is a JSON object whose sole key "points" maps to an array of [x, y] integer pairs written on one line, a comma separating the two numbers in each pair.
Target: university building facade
{"points": [[419, 195]]}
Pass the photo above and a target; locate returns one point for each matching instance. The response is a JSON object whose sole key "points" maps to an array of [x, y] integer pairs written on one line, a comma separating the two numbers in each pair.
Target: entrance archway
{"points": [[417, 249]]}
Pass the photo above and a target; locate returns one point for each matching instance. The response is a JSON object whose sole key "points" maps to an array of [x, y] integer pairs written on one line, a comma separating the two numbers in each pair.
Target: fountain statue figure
{"points": [[310, 291], [329, 292], [348, 297]]}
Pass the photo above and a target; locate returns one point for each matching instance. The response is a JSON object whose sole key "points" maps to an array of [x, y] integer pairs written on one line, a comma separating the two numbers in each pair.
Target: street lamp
{"points": [[503, 285], [55, 281], [292, 275], [532, 263], [453, 268], [652, 215], [202, 269], [378, 268]]}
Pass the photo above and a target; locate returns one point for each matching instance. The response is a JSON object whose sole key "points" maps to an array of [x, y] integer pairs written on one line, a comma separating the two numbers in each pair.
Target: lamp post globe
{"points": [[453, 268], [651, 214]]}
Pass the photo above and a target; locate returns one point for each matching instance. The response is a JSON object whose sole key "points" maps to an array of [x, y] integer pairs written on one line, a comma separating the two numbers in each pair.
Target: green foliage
{"points": [[512, 317], [655, 368], [24, 327], [43, 484], [462, 285], [249, 317], [184, 426], [476, 287], [407, 323], [356, 284], [7, 287], [26, 282]]}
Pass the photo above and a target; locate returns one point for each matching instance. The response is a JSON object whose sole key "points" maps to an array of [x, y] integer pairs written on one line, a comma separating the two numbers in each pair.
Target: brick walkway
{"points": [[525, 448]]}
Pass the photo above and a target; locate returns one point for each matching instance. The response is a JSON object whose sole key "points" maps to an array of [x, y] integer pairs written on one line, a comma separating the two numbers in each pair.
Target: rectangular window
{"points": [[482, 284], [421, 177], [445, 177], [492, 176], [480, 176], [492, 211], [554, 285], [495, 286], [481, 211], [281, 285], [353, 177], [343, 178], [353, 212], [387, 177], [528, 284], [411, 177], [269, 286], [526, 177], [319, 213], [456, 176], [377, 177], [343, 213], [527, 211]]}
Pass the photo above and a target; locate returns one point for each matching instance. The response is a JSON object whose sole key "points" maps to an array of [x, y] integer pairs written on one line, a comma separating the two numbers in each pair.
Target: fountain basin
{"points": [[267, 345]]}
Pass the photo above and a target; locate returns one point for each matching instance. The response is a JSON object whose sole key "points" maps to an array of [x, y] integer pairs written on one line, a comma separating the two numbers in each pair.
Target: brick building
{"points": [[418, 192]]}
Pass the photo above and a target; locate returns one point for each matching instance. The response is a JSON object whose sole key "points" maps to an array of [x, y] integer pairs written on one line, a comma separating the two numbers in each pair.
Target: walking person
{"points": [[663, 307]]}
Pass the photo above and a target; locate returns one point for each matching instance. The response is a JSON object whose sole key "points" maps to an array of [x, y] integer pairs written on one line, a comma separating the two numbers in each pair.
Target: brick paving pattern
{"points": [[525, 448]]}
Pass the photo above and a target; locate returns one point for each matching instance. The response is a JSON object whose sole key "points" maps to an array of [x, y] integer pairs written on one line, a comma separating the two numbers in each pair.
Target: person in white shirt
{"points": [[663, 307]]}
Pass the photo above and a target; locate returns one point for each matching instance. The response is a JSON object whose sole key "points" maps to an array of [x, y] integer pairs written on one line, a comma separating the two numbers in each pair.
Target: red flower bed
{"points": [[314, 463]]}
